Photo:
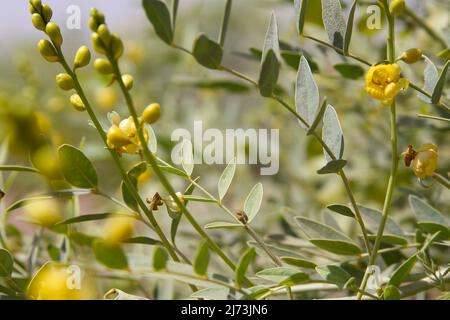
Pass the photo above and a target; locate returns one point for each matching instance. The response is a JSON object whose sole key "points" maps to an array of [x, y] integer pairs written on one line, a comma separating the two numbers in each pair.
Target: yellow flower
{"points": [[383, 82], [45, 212], [124, 137], [57, 282], [117, 229], [425, 161]]}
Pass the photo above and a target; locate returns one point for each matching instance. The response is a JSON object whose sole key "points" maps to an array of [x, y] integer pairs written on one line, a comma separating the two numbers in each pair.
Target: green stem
{"points": [[115, 156], [421, 23], [226, 18], [151, 160], [395, 157], [442, 180]]}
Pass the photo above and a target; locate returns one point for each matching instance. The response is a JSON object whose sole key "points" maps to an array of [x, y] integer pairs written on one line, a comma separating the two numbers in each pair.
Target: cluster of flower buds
{"points": [[41, 15], [122, 136]]}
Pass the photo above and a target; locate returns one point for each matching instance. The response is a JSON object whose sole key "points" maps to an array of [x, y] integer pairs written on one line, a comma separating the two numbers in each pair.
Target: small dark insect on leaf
{"points": [[410, 155], [241, 216], [155, 202]]}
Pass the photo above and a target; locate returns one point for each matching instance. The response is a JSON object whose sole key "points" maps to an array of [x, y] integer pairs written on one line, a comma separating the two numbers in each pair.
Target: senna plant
{"points": [[353, 250]]}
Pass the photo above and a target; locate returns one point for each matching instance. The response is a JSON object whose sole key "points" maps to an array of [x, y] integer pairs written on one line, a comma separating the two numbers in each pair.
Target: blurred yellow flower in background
{"points": [[106, 98], [58, 282], [117, 229], [383, 82], [43, 212]]}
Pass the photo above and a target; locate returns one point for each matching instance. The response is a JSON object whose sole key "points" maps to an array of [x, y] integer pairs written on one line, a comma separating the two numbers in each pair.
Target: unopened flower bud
{"points": [[98, 44], [411, 56], [116, 46], [47, 12], [93, 24], [104, 34], [425, 161], [103, 66], [76, 102], [47, 50], [97, 15], [54, 33], [82, 58], [37, 21], [116, 138], [396, 7], [128, 81], [151, 113], [64, 81], [36, 5]]}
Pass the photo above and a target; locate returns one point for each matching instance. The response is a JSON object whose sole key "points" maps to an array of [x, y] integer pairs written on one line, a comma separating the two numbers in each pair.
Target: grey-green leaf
{"points": [[283, 275], [341, 209], [349, 71], [334, 22], [76, 167], [133, 175], [297, 262], [332, 134], [243, 264], [207, 52], [223, 225], [111, 256], [317, 230], [253, 201], [437, 92], [158, 14], [318, 118], [300, 10], [160, 258], [334, 166], [306, 93], [187, 157], [6, 263], [334, 273], [431, 77], [349, 28], [403, 271], [270, 60], [226, 178], [202, 259]]}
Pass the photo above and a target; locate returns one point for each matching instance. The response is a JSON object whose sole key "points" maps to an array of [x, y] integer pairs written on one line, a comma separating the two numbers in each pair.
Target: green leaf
{"points": [[160, 258], [243, 264], [53, 252], [112, 256], [306, 93], [6, 263], [230, 86], [187, 157], [431, 77], [349, 29], [173, 170], [341, 209], [334, 22], [437, 92], [391, 293], [327, 238], [300, 10], [158, 14], [143, 240], [223, 225], [402, 271], [334, 273], [392, 232], [82, 239], [152, 140], [91, 217], [296, 262], [212, 294], [253, 202], [428, 217], [202, 260], [334, 166], [283, 275], [19, 169], [338, 247], [270, 60], [207, 52], [349, 71], [318, 118], [133, 175], [225, 179], [76, 167], [332, 134]]}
